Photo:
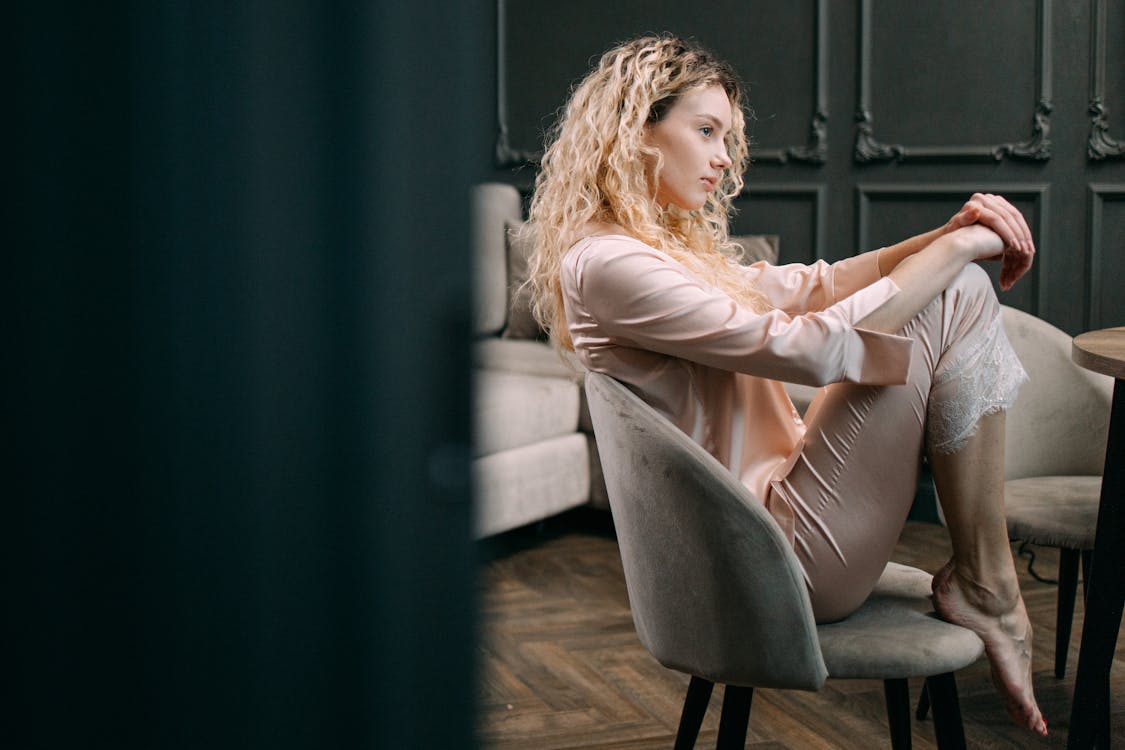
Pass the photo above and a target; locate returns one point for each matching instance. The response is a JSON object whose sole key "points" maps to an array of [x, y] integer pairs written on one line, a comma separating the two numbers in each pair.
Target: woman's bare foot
{"points": [[1006, 631]]}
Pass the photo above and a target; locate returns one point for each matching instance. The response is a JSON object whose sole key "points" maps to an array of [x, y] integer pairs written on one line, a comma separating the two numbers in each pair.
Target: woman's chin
{"points": [[684, 203], [690, 205]]}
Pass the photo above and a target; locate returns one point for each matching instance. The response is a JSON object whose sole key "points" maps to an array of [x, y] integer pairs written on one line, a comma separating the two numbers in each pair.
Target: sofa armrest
{"points": [[525, 357]]}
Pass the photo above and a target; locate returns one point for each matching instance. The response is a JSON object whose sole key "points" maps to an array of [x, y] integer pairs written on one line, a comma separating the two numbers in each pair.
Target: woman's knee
{"points": [[972, 281], [970, 299]]}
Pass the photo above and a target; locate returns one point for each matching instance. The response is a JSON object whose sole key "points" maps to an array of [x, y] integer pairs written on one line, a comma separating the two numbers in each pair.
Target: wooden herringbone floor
{"points": [[560, 665]]}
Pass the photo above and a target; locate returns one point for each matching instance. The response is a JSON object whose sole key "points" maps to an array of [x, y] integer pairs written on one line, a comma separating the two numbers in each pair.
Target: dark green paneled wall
{"points": [[875, 119]]}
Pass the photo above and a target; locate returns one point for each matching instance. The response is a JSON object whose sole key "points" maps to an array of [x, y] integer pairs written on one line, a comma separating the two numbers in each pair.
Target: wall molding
{"points": [[817, 192], [868, 148], [506, 155], [1038, 192], [814, 151], [1100, 144], [1097, 193]]}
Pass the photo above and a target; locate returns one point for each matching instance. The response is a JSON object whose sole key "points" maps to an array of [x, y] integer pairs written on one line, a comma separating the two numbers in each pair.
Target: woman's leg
{"points": [[970, 487], [856, 476], [852, 486], [978, 588]]}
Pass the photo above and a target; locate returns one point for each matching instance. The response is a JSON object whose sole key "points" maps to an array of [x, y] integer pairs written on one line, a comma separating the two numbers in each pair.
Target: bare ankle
{"points": [[994, 595]]}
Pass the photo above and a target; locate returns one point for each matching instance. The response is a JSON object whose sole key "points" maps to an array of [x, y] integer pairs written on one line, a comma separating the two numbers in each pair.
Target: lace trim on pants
{"points": [[984, 380]]}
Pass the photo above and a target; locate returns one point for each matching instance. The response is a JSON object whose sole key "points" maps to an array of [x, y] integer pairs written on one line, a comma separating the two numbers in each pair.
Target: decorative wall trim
{"points": [[1037, 147], [506, 156], [815, 151], [1038, 192], [1097, 193], [817, 192], [1100, 145]]}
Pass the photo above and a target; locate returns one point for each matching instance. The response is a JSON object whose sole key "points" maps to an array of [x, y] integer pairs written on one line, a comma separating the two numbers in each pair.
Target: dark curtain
{"points": [[237, 421]]}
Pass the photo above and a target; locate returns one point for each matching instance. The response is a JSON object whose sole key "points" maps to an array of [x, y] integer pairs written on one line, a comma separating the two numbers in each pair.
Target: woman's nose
{"points": [[722, 159]]}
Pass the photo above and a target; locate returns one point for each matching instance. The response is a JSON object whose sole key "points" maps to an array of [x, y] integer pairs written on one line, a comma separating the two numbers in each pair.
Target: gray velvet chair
{"points": [[716, 590], [1056, 437]]}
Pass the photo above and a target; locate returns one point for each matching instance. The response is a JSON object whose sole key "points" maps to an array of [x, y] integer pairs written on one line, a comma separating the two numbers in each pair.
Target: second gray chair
{"points": [[717, 592], [1056, 435]]}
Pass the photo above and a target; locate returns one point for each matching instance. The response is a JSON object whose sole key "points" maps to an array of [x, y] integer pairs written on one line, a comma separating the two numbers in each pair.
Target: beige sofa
{"points": [[531, 457], [534, 453]]}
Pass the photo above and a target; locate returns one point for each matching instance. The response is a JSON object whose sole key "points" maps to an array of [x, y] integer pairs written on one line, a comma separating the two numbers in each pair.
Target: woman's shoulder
{"points": [[614, 259], [611, 254], [600, 239]]}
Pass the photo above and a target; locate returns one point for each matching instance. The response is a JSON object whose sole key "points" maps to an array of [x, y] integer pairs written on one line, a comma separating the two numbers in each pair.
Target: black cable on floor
{"points": [[1030, 555]]}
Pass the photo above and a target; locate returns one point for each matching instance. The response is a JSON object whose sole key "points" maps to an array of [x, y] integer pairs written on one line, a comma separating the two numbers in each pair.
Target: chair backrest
{"points": [[715, 589], [1059, 423]]}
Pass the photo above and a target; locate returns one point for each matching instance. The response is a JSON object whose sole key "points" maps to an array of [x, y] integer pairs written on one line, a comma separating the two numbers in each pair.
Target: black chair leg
{"points": [[948, 728], [735, 718], [1064, 609], [1087, 563], [923, 702], [897, 692], [695, 707]]}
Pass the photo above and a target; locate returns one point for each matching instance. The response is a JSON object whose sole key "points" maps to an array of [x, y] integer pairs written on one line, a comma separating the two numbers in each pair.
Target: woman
{"points": [[632, 272]]}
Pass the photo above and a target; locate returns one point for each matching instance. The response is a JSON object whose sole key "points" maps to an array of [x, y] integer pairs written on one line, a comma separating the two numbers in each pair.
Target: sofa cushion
{"points": [[756, 247], [521, 323], [526, 357], [493, 206], [512, 409], [522, 485]]}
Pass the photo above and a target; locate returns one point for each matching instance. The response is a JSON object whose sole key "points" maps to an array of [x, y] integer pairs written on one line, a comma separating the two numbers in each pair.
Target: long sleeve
{"points": [[621, 292], [797, 288]]}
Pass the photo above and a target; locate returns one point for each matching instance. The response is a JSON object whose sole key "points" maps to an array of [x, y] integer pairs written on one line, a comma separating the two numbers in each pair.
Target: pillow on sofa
{"points": [[756, 247], [521, 323]]}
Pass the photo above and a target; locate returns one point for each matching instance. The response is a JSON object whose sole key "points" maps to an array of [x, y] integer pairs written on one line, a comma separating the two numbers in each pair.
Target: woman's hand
{"points": [[1000, 216], [976, 242]]}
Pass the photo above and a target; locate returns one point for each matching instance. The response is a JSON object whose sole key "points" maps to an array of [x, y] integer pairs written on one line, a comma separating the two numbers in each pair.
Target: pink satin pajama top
{"points": [[714, 367]]}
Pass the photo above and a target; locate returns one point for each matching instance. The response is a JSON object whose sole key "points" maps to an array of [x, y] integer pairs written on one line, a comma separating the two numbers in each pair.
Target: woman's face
{"points": [[692, 140]]}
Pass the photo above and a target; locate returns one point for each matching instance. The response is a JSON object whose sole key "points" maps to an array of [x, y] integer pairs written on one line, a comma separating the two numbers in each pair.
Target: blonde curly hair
{"points": [[597, 168]]}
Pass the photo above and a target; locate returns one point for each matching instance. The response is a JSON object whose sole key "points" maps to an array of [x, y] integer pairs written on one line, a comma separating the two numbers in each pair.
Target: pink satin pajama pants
{"points": [[852, 487]]}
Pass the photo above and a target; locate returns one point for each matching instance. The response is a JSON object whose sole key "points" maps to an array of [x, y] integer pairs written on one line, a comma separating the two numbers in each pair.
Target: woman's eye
{"points": [[707, 130]]}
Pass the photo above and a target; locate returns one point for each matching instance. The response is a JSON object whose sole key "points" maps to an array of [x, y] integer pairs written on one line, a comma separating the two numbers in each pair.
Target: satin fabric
{"points": [[852, 486], [715, 369]]}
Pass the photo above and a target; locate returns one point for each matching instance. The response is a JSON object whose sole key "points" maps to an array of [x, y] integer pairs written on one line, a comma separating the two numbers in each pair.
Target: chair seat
{"points": [[896, 634], [1058, 511]]}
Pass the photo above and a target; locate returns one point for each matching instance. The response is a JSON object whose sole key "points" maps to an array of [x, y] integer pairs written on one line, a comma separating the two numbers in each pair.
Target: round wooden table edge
{"points": [[1101, 351]]}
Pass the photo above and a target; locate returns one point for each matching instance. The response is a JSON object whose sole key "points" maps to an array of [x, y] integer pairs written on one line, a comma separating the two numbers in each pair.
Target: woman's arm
{"points": [[890, 257], [928, 271], [798, 289], [994, 212], [986, 228], [619, 292]]}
